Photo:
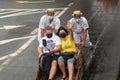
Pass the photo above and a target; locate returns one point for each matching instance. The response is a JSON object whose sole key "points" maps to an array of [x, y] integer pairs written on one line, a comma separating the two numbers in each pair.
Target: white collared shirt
{"points": [[77, 27], [44, 22]]}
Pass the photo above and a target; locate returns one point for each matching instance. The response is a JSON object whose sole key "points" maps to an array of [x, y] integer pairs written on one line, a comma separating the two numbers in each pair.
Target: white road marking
{"points": [[31, 9], [1, 9], [35, 1], [7, 27], [34, 31], [3, 57], [12, 11], [70, 4], [23, 47], [57, 12], [20, 12], [12, 26], [3, 64], [2, 28], [65, 9], [14, 39]]}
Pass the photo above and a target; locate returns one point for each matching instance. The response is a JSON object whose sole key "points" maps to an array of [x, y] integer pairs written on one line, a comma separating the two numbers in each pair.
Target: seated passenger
{"points": [[50, 45], [67, 53]]}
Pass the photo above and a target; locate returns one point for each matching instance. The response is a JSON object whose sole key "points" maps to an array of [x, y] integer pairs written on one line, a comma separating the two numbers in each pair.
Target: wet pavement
{"points": [[106, 62]]}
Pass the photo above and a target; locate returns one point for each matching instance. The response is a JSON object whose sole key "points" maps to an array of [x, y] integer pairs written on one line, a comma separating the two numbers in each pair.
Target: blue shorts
{"points": [[68, 60]]}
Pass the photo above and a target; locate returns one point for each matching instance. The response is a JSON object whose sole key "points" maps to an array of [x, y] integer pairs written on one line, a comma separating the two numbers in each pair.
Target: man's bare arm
{"points": [[40, 51], [42, 32], [84, 36], [57, 49]]}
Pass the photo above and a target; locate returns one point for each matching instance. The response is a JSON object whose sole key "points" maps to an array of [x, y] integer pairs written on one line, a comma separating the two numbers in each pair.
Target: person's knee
{"points": [[60, 62], [70, 63], [54, 63]]}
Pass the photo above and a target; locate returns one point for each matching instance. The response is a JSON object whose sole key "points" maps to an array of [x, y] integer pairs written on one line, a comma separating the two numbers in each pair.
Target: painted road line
{"points": [[65, 9], [34, 31], [7, 27], [2, 10], [35, 1], [31, 9], [13, 26], [3, 64], [15, 39], [2, 28], [3, 57], [28, 12], [70, 4], [56, 13], [20, 13], [12, 11], [22, 48]]}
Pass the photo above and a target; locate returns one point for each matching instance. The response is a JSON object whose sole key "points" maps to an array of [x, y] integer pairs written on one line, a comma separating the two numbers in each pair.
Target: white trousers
{"points": [[78, 38]]}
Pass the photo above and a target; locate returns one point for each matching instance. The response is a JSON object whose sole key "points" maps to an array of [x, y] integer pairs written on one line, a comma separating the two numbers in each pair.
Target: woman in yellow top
{"points": [[67, 53]]}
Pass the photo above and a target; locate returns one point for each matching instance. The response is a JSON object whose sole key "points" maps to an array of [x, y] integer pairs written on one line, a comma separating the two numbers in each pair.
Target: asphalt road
{"points": [[18, 36]]}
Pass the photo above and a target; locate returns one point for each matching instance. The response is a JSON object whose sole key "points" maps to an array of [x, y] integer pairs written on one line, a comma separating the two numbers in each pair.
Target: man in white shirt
{"points": [[50, 44], [48, 19], [79, 25]]}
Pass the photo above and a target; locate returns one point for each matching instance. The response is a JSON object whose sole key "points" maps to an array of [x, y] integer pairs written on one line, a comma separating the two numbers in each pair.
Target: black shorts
{"points": [[55, 57]]}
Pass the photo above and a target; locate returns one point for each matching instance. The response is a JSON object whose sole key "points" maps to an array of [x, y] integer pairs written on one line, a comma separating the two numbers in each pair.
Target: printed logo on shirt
{"points": [[67, 45], [50, 45]]}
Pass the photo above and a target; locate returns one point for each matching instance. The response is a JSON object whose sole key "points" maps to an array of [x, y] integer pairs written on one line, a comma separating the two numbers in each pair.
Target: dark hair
{"points": [[62, 28], [48, 28]]}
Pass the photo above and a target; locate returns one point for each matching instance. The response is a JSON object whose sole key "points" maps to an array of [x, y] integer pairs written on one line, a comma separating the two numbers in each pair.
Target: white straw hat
{"points": [[77, 13], [50, 10]]}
